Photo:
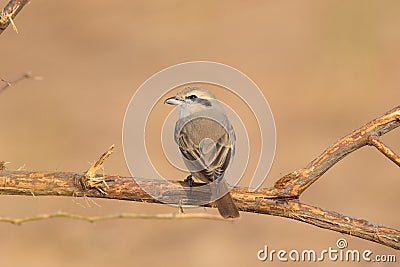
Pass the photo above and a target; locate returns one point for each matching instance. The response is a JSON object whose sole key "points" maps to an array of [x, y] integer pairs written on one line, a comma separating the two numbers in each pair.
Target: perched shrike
{"points": [[206, 140]]}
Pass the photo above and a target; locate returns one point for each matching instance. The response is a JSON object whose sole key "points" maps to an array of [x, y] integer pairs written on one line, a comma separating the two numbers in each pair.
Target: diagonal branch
{"points": [[296, 182], [9, 12]]}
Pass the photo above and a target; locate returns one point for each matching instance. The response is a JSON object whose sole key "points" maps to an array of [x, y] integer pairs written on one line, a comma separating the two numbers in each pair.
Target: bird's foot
{"points": [[189, 180]]}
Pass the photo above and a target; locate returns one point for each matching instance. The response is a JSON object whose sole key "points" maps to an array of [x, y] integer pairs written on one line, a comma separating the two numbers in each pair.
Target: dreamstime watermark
{"points": [[156, 89], [340, 253]]}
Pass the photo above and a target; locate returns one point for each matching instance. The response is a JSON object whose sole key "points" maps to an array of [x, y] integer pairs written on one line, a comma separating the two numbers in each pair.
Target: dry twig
{"points": [[25, 76], [280, 200], [9, 12], [91, 180], [3, 165], [167, 216]]}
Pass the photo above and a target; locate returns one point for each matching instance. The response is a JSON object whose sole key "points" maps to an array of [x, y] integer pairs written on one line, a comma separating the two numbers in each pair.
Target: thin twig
{"points": [[167, 216], [5, 81], [9, 12], [385, 150], [25, 76]]}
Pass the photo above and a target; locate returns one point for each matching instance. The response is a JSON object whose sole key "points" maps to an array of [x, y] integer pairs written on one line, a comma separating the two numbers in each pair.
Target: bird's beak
{"points": [[172, 101]]}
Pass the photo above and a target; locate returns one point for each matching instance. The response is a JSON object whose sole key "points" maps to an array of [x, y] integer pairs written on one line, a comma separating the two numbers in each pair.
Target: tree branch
{"points": [[296, 182], [280, 200], [9, 12], [125, 188]]}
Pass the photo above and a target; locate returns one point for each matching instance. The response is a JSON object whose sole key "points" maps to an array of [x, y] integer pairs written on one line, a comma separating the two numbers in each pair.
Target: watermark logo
{"points": [[340, 253], [159, 87]]}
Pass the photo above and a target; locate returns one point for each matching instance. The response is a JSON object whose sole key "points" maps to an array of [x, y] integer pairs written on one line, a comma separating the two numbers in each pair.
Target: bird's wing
{"points": [[195, 159]]}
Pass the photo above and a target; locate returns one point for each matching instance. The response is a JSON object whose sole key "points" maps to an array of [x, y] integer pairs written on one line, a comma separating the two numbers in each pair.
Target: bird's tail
{"points": [[225, 204], [226, 207]]}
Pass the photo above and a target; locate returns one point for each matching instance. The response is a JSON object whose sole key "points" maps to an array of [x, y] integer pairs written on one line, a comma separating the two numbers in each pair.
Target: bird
{"points": [[206, 140]]}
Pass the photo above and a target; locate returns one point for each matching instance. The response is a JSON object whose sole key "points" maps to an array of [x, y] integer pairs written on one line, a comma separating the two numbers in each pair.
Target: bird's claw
{"points": [[189, 180]]}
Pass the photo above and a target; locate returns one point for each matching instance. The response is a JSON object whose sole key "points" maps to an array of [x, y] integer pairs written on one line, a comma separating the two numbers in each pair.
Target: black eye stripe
{"points": [[202, 101]]}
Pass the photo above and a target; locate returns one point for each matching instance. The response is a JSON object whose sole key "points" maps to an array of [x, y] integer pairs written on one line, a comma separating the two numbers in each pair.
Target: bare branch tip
{"points": [[90, 180]]}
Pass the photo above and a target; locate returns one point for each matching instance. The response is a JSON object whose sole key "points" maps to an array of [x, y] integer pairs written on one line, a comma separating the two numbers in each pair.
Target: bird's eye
{"points": [[192, 97]]}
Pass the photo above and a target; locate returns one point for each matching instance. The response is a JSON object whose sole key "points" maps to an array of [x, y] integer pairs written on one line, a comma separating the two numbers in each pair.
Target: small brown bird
{"points": [[206, 140]]}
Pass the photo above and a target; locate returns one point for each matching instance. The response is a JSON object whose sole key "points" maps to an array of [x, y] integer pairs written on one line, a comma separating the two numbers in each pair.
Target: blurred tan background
{"points": [[326, 68]]}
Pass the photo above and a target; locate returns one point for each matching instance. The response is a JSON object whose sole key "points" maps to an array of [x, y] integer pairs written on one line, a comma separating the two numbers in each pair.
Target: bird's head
{"points": [[192, 100]]}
